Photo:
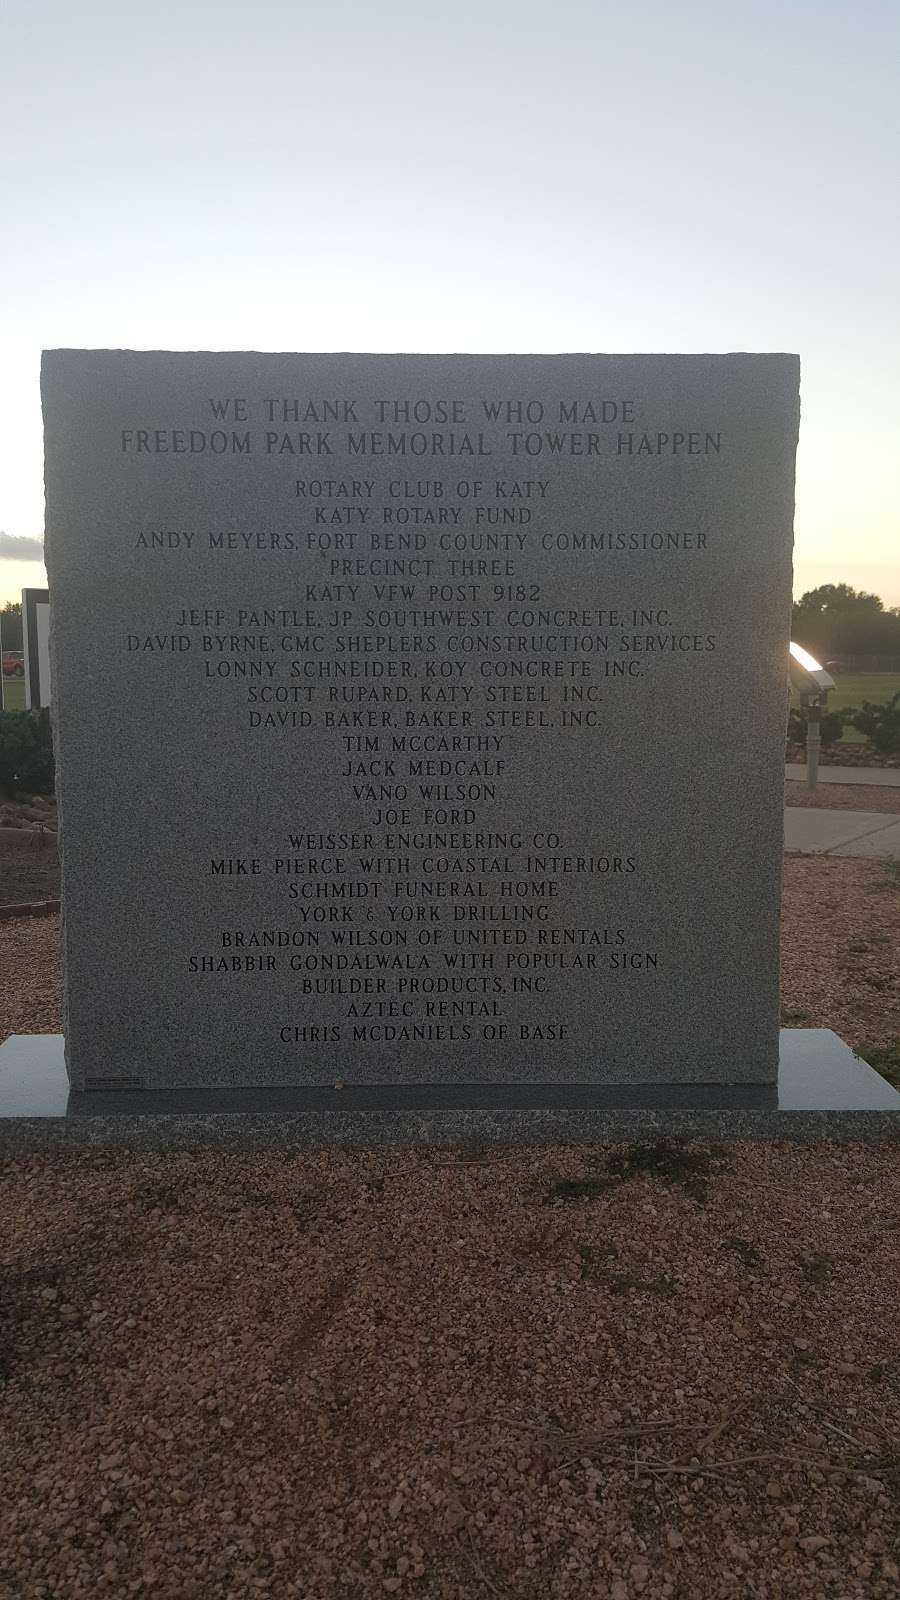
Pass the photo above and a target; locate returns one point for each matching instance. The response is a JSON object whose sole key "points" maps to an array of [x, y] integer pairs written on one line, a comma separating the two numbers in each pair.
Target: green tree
{"points": [[11, 626], [837, 619]]}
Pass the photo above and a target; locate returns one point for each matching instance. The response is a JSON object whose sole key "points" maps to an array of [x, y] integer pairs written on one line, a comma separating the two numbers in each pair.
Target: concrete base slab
{"points": [[824, 1091], [841, 833]]}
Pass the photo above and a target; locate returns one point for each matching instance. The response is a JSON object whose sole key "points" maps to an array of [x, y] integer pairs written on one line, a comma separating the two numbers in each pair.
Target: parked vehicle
{"points": [[13, 664]]}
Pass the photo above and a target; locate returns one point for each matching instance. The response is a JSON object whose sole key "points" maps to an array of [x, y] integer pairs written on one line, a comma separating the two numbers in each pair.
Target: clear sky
{"points": [[476, 175]]}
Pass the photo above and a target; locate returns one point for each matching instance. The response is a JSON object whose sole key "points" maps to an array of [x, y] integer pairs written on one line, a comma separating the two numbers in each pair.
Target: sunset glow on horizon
{"points": [[481, 179]]}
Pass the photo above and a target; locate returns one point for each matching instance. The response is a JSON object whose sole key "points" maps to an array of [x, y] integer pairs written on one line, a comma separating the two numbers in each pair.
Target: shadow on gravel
{"points": [[673, 1162]]}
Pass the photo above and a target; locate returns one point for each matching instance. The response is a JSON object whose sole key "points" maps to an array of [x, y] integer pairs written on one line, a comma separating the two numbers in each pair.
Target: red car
{"points": [[13, 664]]}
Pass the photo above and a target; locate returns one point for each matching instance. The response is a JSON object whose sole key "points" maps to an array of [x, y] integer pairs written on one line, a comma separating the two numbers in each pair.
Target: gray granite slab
{"points": [[420, 719], [823, 1091]]}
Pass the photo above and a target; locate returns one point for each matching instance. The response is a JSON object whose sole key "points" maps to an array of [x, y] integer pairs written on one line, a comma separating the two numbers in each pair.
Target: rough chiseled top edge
{"points": [[443, 355]]}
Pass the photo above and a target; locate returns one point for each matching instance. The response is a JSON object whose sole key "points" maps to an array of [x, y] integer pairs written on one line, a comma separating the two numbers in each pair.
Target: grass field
{"points": [[855, 687], [13, 694]]}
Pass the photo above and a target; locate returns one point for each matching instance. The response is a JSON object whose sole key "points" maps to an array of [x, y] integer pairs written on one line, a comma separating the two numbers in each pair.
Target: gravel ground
{"points": [[30, 979], [667, 1374], [840, 948], [852, 754], [548, 1375], [842, 797], [29, 869], [29, 864]]}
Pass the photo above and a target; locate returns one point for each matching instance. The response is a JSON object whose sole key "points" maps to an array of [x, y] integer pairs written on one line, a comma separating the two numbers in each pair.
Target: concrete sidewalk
{"points": [[887, 777], [841, 833]]}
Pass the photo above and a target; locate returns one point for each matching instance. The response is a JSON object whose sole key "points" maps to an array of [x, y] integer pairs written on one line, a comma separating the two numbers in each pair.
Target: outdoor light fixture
{"points": [[812, 683], [808, 676]]}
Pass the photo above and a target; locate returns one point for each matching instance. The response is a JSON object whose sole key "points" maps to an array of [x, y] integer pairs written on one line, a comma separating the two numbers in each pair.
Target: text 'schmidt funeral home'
{"points": [[420, 719]]}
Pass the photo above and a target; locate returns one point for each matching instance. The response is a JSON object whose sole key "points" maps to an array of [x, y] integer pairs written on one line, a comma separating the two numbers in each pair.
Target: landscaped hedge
{"points": [[880, 724], [26, 752], [831, 725]]}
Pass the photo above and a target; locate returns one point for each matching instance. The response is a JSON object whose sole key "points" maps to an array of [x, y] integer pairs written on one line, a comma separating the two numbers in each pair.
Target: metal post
{"points": [[813, 742]]}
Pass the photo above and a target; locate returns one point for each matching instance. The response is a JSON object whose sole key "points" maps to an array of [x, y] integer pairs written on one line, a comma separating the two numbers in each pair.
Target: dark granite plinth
{"points": [[824, 1091]]}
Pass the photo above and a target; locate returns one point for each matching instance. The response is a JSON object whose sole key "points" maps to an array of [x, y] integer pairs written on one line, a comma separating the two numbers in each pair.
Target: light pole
{"points": [[812, 683]]}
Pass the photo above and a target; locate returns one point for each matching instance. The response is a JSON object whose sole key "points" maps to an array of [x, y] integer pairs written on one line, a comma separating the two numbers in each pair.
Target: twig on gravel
{"points": [[720, 1428], [663, 1469], [833, 1428], [715, 1468], [828, 1421], [592, 1441], [635, 1430], [470, 1161], [877, 1423], [472, 1556], [613, 1443]]}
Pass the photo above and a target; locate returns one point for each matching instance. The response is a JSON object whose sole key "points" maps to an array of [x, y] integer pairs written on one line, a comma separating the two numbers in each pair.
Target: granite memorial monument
{"points": [[420, 719]]}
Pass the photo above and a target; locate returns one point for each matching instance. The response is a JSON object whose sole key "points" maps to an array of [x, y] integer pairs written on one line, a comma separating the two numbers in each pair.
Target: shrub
{"points": [[880, 724], [26, 752], [831, 725]]}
